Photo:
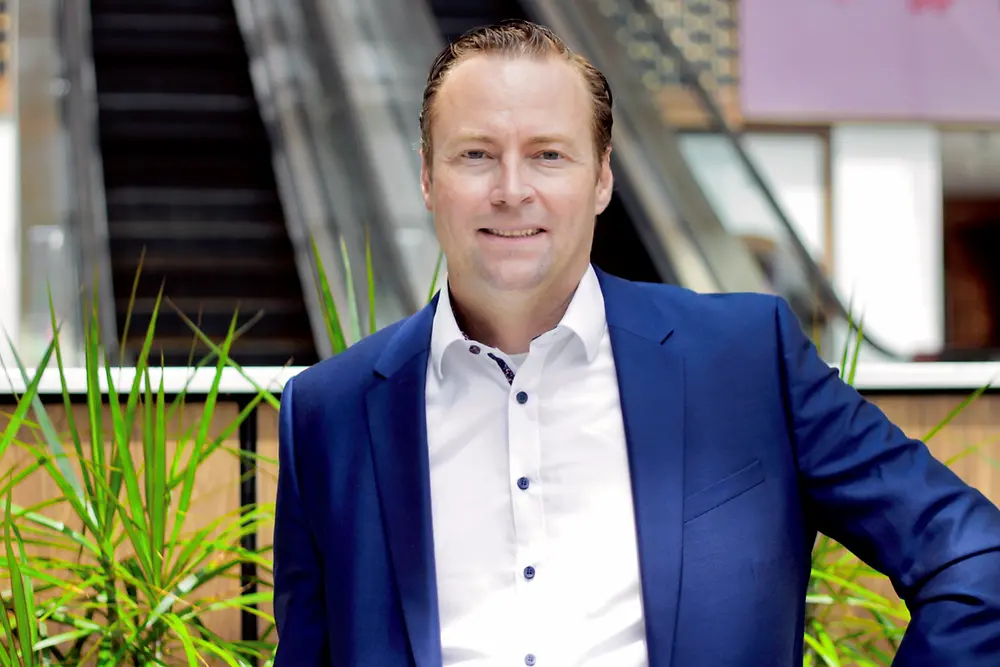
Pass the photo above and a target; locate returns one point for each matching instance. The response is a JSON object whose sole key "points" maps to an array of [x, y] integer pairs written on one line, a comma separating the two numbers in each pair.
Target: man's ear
{"points": [[425, 180], [605, 184]]}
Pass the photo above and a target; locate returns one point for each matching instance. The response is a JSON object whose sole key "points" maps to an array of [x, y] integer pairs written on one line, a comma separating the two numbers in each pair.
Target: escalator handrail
{"points": [[89, 215], [690, 77]]}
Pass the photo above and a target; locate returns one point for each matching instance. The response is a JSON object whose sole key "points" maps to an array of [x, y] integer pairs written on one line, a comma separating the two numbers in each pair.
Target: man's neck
{"points": [[510, 321]]}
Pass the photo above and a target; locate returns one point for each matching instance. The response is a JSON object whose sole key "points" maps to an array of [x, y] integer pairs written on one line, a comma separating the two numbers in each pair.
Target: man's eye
{"points": [[550, 155], [475, 155]]}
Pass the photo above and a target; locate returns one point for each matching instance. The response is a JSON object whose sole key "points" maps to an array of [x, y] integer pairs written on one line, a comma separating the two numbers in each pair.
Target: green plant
{"points": [[125, 579], [851, 616], [331, 313]]}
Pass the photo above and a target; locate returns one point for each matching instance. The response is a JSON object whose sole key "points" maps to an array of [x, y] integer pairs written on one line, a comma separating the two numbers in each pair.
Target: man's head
{"points": [[515, 143]]}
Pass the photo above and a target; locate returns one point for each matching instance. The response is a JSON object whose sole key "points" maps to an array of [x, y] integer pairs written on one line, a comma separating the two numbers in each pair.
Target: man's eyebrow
{"points": [[551, 139], [462, 137], [535, 140]]}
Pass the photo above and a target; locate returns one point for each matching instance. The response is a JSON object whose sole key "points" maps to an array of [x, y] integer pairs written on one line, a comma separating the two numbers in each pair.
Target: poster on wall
{"points": [[898, 60], [6, 47]]}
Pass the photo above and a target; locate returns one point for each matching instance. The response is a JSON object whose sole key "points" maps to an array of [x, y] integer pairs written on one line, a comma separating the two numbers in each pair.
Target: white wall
{"points": [[887, 231], [10, 242]]}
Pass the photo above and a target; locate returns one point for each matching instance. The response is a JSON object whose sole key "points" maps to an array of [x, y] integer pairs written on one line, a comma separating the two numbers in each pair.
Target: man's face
{"points": [[515, 184]]}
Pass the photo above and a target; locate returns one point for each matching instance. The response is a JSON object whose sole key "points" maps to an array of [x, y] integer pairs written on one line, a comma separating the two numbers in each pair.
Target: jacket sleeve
{"points": [[886, 498], [298, 580]]}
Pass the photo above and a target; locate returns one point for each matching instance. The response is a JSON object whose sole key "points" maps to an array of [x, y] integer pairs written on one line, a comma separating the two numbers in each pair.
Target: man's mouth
{"points": [[512, 233]]}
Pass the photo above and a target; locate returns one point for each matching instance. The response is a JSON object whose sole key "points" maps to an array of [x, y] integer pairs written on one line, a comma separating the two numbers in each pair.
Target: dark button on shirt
{"points": [[523, 483], [522, 397], [474, 349], [529, 660], [529, 572]]}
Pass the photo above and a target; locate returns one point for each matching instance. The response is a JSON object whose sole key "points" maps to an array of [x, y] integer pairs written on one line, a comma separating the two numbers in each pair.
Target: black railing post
{"points": [[248, 499]]}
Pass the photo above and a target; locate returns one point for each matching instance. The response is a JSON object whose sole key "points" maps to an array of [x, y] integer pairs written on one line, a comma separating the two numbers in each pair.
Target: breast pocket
{"points": [[723, 491]]}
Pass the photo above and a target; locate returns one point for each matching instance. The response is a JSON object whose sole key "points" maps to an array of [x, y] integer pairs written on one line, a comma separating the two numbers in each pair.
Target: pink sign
{"points": [[826, 60]]}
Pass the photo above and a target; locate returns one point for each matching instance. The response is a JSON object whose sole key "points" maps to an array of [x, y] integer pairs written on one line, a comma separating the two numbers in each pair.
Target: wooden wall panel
{"points": [[267, 485], [977, 426]]}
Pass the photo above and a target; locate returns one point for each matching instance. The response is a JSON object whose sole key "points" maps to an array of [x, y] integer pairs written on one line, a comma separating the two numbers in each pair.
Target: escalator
{"points": [[189, 182], [619, 247]]}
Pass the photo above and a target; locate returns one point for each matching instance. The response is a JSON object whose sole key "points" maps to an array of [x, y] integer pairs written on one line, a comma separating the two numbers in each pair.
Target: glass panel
{"points": [[47, 248]]}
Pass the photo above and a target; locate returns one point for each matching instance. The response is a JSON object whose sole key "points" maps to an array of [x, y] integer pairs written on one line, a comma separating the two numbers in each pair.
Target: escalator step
{"points": [[189, 182]]}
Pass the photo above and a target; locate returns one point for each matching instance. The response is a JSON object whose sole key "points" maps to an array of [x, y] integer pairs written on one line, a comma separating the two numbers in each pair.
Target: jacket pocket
{"points": [[723, 491]]}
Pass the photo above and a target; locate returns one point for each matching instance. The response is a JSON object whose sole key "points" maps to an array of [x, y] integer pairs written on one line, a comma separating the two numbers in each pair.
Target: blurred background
{"points": [[844, 154]]}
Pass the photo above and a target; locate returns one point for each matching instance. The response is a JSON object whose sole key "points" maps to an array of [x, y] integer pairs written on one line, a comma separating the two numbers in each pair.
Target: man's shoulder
{"points": [[349, 372], [699, 310]]}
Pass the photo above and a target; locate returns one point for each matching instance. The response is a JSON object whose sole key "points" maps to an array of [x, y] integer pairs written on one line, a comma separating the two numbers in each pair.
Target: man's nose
{"points": [[513, 185]]}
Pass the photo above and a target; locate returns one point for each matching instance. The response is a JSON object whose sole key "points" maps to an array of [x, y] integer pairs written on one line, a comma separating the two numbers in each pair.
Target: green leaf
{"points": [[958, 410], [22, 593], [847, 341], [370, 279], [434, 278], [224, 358], [67, 399], [352, 299], [330, 315], [859, 338], [182, 633]]}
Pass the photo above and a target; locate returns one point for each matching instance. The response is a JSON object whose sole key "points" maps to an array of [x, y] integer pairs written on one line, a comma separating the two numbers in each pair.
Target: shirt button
{"points": [[523, 483], [474, 349], [529, 660], [529, 572], [522, 397]]}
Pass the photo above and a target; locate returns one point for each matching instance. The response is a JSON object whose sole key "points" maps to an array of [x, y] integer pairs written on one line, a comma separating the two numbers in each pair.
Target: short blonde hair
{"points": [[517, 38]]}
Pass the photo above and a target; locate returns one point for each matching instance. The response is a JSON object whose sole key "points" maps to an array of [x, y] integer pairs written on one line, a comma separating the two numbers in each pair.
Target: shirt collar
{"points": [[584, 317]]}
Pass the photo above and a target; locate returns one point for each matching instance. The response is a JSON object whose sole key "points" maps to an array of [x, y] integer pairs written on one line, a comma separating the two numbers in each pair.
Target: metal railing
{"points": [[327, 173], [88, 223]]}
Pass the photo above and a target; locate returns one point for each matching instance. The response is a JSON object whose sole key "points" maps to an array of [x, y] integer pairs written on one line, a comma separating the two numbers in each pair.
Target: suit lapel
{"points": [[398, 426], [651, 382]]}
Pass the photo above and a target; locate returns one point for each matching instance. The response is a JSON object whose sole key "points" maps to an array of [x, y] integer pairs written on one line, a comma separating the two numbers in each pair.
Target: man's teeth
{"points": [[525, 232]]}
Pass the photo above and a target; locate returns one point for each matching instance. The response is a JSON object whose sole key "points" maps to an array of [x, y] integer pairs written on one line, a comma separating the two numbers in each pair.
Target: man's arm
{"points": [[884, 497], [298, 580]]}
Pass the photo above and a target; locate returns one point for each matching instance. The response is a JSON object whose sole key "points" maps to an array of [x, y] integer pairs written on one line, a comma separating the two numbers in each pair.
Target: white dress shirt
{"points": [[534, 533]]}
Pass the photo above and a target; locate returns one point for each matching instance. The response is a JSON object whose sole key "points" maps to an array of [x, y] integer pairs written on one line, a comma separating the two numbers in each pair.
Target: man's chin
{"points": [[516, 277]]}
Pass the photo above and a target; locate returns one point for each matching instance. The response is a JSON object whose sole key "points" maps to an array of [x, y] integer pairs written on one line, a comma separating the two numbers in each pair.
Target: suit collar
{"points": [[629, 306], [412, 338]]}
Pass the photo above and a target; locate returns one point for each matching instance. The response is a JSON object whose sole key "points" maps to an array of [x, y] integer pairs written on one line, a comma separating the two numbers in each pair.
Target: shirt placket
{"points": [[524, 456]]}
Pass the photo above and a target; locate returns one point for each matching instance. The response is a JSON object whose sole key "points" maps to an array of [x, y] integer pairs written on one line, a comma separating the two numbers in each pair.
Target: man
{"points": [[552, 466]]}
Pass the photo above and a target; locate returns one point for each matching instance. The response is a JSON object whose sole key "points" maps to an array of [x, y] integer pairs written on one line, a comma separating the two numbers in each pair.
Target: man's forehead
{"points": [[477, 74]]}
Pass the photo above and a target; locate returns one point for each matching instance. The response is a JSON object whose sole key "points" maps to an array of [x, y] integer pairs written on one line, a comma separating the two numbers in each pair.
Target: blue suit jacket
{"points": [[742, 444]]}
